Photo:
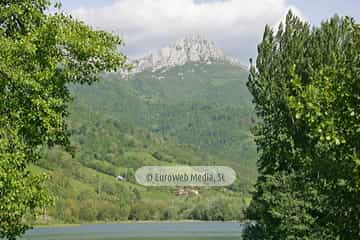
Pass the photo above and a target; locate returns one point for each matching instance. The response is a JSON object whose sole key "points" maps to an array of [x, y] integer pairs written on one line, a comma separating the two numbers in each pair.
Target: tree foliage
{"points": [[40, 54], [306, 89], [89, 178]]}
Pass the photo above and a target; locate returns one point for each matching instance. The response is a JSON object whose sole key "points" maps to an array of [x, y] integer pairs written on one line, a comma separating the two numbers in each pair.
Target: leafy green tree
{"points": [[87, 210], [306, 88], [40, 55]]}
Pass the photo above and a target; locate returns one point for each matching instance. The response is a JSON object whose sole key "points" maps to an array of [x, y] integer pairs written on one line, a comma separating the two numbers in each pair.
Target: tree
{"points": [[306, 89], [40, 55]]}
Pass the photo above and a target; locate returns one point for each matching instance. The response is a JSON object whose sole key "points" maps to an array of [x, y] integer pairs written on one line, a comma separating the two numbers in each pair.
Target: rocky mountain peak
{"points": [[193, 48]]}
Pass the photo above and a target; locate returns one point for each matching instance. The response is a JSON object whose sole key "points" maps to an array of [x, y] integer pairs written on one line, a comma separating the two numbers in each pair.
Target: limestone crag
{"points": [[185, 50]]}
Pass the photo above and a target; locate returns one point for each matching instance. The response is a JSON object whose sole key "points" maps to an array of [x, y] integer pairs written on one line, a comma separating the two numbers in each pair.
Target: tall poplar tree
{"points": [[306, 90]]}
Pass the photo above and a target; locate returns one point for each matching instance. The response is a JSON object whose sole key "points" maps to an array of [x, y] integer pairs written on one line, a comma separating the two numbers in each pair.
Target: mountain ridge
{"points": [[189, 49]]}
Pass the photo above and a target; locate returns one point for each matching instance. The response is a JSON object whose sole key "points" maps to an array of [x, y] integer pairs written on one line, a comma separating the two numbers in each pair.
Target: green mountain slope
{"points": [[207, 106], [86, 188], [196, 114]]}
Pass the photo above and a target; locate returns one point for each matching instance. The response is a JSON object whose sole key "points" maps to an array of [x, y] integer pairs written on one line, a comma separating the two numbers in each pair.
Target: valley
{"points": [[196, 113]]}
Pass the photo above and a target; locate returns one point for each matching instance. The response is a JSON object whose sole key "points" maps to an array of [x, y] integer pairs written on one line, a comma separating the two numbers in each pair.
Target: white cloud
{"points": [[146, 25]]}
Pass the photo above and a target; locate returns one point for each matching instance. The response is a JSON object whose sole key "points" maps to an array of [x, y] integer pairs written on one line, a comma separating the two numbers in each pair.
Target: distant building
{"points": [[195, 192], [184, 191], [120, 178]]}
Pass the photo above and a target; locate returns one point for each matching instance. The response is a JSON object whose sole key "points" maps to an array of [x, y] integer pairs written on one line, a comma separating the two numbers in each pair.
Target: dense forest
{"points": [[206, 105], [86, 189]]}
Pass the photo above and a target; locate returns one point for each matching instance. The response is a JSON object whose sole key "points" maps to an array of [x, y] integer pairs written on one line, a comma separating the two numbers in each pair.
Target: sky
{"points": [[235, 26]]}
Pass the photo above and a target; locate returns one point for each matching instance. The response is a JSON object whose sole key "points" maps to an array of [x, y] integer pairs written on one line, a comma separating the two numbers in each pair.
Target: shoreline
{"points": [[56, 225]]}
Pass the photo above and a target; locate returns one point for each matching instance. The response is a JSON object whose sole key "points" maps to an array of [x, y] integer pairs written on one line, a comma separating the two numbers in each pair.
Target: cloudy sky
{"points": [[236, 26]]}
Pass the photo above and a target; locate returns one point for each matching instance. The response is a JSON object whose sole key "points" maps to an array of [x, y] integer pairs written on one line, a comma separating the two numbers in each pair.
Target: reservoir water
{"points": [[137, 231]]}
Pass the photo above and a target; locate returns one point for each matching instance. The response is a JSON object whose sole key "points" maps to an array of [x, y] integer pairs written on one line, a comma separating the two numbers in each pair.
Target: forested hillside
{"points": [[86, 188], [206, 105], [195, 114]]}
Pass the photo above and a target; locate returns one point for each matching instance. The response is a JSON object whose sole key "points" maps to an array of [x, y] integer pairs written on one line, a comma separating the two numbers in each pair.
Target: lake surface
{"points": [[137, 231]]}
